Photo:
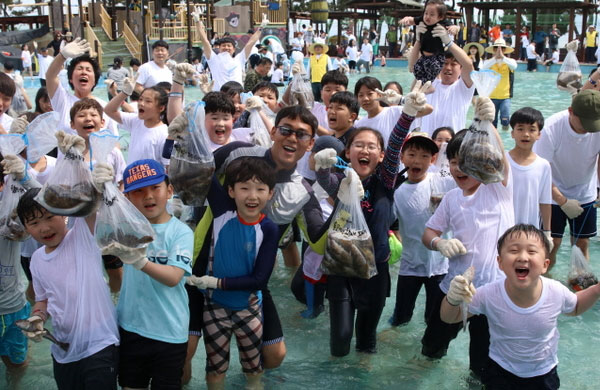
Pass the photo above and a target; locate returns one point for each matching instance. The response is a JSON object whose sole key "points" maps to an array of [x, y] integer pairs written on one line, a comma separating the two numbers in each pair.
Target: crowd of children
{"points": [[283, 172]]}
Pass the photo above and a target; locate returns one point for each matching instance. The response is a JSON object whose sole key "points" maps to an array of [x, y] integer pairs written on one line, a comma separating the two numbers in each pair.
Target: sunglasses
{"points": [[300, 135]]}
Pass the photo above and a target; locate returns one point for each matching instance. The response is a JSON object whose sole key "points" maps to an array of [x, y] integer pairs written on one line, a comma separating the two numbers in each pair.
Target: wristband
{"points": [[592, 81], [446, 47], [176, 94], [177, 82], [40, 313], [433, 242], [450, 303]]}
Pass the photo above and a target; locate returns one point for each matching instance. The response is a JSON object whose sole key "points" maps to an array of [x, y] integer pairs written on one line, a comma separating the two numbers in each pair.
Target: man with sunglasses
{"points": [[293, 199]]}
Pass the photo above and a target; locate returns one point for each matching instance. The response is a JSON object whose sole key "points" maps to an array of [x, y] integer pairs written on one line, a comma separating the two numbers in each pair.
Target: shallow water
{"points": [[398, 363]]}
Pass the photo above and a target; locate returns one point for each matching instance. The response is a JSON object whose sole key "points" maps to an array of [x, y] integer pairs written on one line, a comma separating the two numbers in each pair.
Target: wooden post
{"points": [[93, 14], [144, 45], [160, 18], [486, 24], [581, 51], [81, 22], [571, 23], [469, 11], [69, 13], [127, 4], [113, 20], [533, 22], [339, 40], [189, 30]]}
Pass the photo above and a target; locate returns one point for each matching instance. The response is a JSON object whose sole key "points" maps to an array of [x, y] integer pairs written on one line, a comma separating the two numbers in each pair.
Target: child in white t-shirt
{"points": [[477, 215], [414, 203], [532, 175], [522, 310], [277, 76]]}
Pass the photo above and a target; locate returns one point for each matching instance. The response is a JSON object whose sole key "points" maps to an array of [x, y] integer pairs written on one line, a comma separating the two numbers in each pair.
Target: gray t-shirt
{"points": [[118, 75], [12, 283]]}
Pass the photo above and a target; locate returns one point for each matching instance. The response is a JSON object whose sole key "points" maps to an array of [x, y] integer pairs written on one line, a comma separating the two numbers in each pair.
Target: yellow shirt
{"points": [[318, 67], [502, 90], [591, 38]]}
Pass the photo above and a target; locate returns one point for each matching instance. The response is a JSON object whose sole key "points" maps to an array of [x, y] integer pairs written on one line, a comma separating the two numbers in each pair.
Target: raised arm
{"points": [[201, 30], [459, 54], [256, 36], [73, 49]]}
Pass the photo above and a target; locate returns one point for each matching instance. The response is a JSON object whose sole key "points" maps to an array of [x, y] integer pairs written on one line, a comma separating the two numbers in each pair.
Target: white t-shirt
{"points": [[531, 54], [384, 122], [62, 101], [412, 208], [150, 74], [26, 58], [145, 142], [352, 53], [366, 52], [478, 221], [276, 47], [6, 121], [532, 186], [450, 105], [573, 157], [71, 279], [44, 63], [556, 58], [224, 68], [277, 76], [524, 41], [524, 341]]}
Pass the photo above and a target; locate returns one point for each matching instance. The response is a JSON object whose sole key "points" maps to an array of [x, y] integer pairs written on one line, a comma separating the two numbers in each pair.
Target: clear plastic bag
{"points": [[12, 144], [260, 133], [349, 250], [580, 274], [480, 154], [69, 190], [301, 91], [41, 137], [11, 227], [192, 163], [442, 163], [118, 220], [569, 76]]}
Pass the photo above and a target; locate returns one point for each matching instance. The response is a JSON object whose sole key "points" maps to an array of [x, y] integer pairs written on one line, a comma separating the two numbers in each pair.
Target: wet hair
{"points": [[279, 65], [27, 208], [160, 43], [254, 59], [165, 85], [226, 40], [393, 83], [247, 168], [439, 5], [232, 89], [7, 85], [84, 104], [335, 77], [135, 96], [440, 129], [162, 99], [263, 61], [298, 112], [449, 55], [23, 46], [117, 62], [8, 66], [347, 99], [527, 115], [380, 140], [454, 145], [266, 85], [42, 93], [84, 58], [370, 82], [352, 43], [135, 62], [529, 230], [218, 102]]}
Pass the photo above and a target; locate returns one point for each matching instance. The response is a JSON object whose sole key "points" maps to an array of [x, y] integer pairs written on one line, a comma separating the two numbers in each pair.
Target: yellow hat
{"points": [[311, 48], [499, 43]]}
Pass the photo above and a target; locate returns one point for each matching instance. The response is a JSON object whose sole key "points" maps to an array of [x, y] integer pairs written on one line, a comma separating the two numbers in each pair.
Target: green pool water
{"points": [[398, 363]]}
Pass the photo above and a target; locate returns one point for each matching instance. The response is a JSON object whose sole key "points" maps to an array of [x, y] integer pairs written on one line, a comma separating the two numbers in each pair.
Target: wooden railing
{"points": [[174, 29], [131, 42], [95, 44], [106, 22], [275, 17]]}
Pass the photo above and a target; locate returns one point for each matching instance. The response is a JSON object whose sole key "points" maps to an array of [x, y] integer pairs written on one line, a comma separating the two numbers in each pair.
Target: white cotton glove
{"points": [[183, 72], [461, 290], [19, 125], [128, 86], [389, 96], [548, 235], [196, 15], [171, 64], [68, 141], [176, 206], [484, 109], [75, 49], [133, 256], [36, 323], [35, 45], [573, 45], [254, 103], [13, 165], [572, 208], [420, 30], [203, 282], [416, 101], [108, 83], [204, 83], [101, 174], [350, 184], [450, 248], [440, 31], [296, 69], [325, 159], [178, 126], [265, 22]]}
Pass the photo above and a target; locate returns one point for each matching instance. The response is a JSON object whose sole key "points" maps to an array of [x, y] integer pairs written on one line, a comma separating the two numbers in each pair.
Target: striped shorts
{"points": [[219, 325]]}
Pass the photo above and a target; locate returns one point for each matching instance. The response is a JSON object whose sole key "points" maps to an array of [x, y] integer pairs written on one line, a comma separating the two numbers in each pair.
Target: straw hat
{"points": [[69, 34], [311, 48], [476, 44], [499, 43]]}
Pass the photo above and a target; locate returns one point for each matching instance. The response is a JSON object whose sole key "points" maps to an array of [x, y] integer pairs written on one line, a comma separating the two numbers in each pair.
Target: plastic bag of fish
{"points": [[349, 250], [580, 274], [118, 220], [11, 227], [301, 92], [192, 165], [569, 76], [480, 155]]}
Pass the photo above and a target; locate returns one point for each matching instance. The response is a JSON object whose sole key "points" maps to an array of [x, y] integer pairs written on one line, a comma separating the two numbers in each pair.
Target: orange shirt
{"points": [[494, 34]]}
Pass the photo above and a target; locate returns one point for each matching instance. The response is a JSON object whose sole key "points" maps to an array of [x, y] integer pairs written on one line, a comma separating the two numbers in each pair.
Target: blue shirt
{"points": [[148, 307]]}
